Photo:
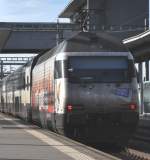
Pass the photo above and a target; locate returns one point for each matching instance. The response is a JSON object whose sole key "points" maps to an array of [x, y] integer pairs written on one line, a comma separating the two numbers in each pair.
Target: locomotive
{"points": [[86, 87]]}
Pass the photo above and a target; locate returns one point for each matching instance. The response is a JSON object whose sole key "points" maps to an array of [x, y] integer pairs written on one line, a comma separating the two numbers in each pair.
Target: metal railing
{"points": [[39, 26], [9, 62]]}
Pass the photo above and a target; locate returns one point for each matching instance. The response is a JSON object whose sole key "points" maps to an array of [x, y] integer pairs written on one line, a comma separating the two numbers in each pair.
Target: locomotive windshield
{"points": [[99, 69]]}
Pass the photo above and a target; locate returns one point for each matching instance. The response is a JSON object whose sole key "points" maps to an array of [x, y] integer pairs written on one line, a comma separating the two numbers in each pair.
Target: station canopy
{"points": [[32, 37], [139, 45], [71, 8]]}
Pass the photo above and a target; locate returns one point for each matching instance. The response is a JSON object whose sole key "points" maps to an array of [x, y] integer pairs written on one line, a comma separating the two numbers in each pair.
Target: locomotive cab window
{"points": [[100, 69]]}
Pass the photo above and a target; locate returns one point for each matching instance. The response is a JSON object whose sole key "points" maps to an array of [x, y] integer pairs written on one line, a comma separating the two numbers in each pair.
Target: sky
{"points": [[31, 10]]}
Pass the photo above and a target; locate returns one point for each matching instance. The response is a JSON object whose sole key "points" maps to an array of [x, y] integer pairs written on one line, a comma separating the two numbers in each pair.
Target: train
{"points": [[85, 88]]}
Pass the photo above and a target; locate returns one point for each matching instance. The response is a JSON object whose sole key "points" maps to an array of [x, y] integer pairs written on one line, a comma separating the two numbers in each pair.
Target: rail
{"points": [[143, 130]]}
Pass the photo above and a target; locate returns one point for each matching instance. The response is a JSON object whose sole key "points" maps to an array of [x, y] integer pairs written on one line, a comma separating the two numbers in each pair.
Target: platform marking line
{"points": [[69, 151]]}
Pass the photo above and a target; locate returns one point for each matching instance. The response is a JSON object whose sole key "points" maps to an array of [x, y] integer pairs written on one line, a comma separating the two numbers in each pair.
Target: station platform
{"points": [[145, 120], [20, 141], [141, 139]]}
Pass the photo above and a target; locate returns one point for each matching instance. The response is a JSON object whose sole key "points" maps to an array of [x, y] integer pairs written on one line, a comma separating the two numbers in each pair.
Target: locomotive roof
{"points": [[91, 42], [86, 42]]}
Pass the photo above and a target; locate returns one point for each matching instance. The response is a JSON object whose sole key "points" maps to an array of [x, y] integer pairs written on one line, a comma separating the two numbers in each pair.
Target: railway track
{"points": [[132, 154], [141, 139], [143, 133], [125, 153]]}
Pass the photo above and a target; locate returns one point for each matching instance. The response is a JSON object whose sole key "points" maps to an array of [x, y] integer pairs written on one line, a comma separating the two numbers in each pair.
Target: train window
{"points": [[23, 85], [98, 69], [98, 62], [19, 82], [27, 82], [60, 69]]}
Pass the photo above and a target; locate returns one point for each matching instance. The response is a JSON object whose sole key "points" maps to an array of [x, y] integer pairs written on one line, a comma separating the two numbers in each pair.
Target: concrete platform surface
{"points": [[19, 141]]}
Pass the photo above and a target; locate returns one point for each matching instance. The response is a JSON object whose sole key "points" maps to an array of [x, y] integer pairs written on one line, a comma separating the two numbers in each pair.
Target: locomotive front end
{"points": [[101, 97]]}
